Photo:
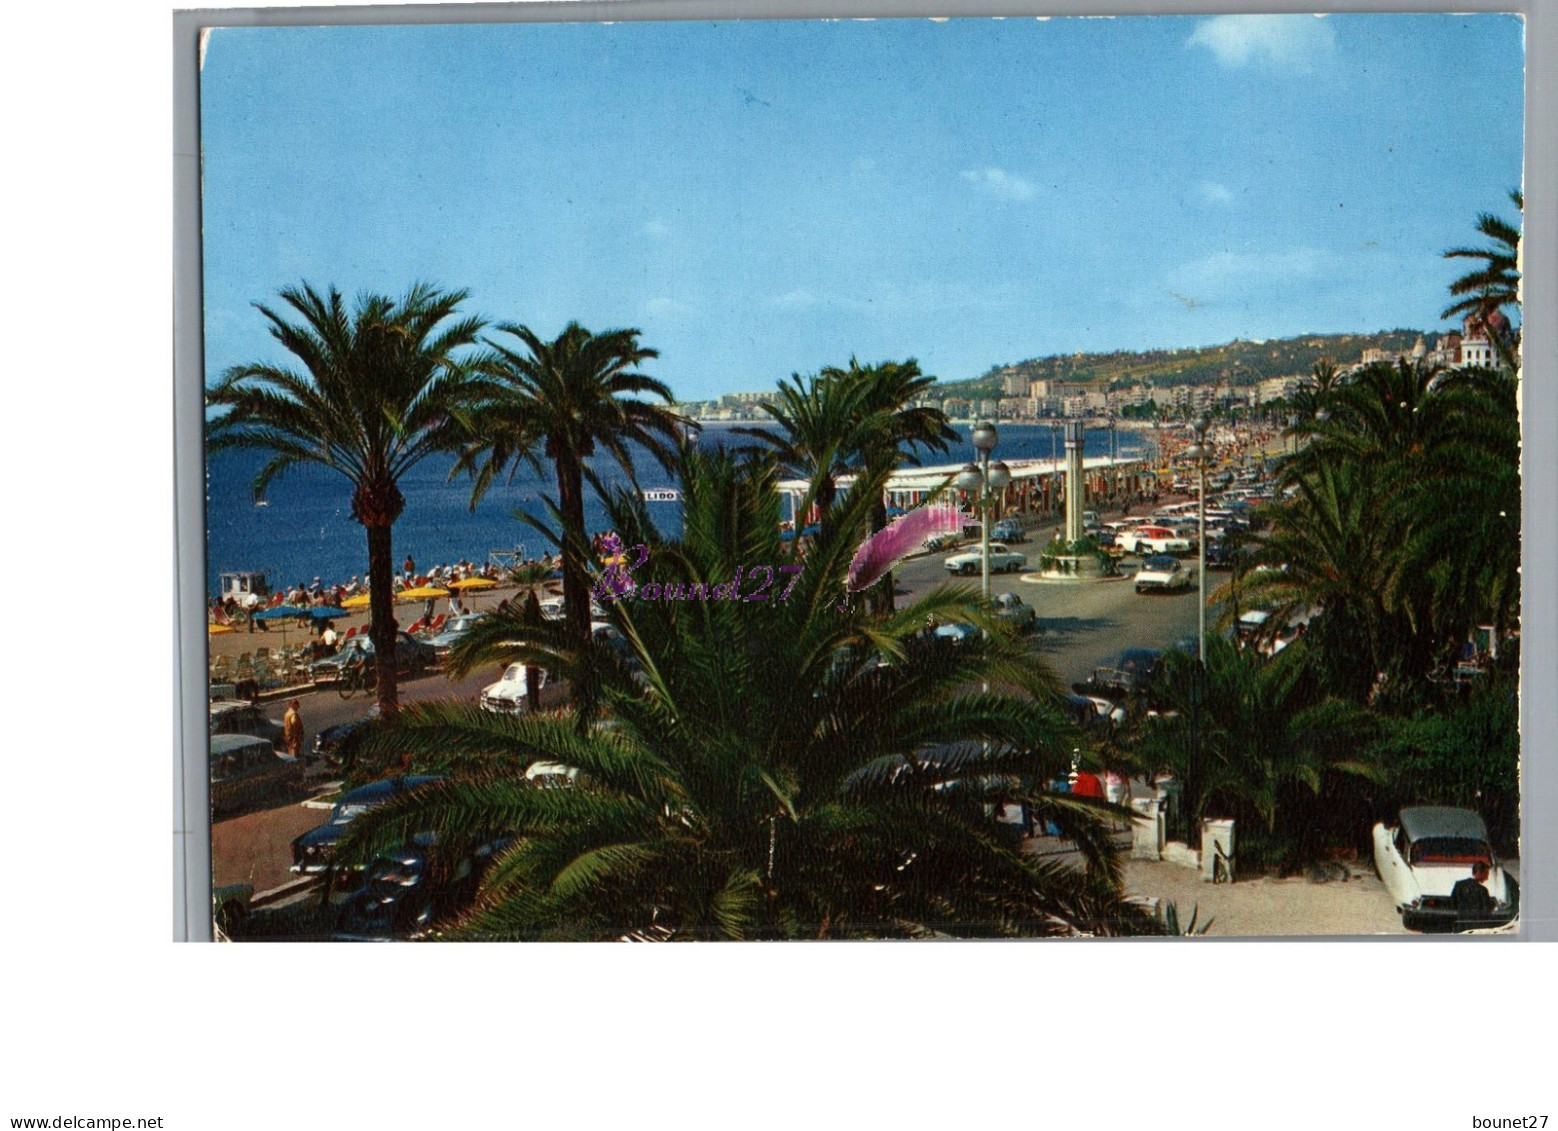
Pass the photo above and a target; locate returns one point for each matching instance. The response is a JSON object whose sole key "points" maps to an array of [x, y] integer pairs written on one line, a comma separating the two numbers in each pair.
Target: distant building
{"points": [[1013, 384], [1476, 345]]}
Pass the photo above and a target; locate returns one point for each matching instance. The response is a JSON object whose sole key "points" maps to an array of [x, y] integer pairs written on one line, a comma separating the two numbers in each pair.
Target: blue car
{"points": [[314, 850]]}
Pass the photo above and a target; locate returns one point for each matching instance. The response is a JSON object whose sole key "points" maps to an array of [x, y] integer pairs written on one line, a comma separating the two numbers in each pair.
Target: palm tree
{"points": [[1274, 753], [767, 767], [1497, 282], [381, 387], [844, 421], [560, 399]]}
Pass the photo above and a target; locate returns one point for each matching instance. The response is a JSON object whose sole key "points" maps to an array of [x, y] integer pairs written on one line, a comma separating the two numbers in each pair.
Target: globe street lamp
{"points": [[1200, 452], [985, 478]]}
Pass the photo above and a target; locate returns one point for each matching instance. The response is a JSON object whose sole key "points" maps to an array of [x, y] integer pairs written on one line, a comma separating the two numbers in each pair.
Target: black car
{"points": [[313, 851], [412, 657], [401, 895], [327, 743], [1129, 674]]}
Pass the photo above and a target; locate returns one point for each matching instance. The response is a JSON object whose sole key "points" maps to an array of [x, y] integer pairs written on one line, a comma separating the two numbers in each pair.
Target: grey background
{"points": [[1539, 658]]}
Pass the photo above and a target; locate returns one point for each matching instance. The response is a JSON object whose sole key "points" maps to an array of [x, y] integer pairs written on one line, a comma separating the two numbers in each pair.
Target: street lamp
{"points": [[985, 478], [1200, 452]]}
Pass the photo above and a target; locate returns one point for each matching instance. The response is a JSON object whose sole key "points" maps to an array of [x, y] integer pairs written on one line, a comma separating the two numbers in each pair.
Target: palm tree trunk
{"points": [[576, 592], [381, 627]]}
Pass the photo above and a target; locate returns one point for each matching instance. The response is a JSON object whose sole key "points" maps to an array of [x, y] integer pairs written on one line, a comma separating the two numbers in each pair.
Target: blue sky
{"points": [[772, 197]]}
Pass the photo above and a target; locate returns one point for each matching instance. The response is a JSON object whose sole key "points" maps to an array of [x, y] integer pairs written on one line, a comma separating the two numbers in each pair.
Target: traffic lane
{"points": [[1082, 625], [256, 848]]}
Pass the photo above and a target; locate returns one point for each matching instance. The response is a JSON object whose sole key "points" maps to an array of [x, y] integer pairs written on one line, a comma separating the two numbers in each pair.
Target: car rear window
{"points": [[1450, 850]]}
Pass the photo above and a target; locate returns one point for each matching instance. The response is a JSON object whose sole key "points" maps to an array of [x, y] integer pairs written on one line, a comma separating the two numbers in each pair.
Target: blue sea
{"points": [[307, 529]]}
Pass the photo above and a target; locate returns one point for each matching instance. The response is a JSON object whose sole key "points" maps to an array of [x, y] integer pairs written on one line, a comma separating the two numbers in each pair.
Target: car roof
{"points": [[227, 743], [223, 706], [378, 791], [1422, 821]]}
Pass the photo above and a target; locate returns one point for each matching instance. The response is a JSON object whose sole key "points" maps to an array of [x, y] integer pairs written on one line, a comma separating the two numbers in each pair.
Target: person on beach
{"points": [[410, 568], [292, 730]]}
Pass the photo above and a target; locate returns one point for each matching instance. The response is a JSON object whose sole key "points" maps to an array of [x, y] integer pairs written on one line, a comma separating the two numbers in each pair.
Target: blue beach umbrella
{"points": [[326, 614], [279, 612]]}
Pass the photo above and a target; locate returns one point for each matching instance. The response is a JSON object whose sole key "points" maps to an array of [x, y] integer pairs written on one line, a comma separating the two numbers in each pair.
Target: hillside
{"points": [[1241, 362]]}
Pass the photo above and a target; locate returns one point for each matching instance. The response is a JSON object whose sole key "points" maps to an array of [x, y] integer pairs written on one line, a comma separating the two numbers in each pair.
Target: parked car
{"points": [[1221, 555], [1422, 856], [507, 695], [401, 895], [1134, 668], [412, 657], [230, 910], [940, 542], [1009, 530], [1002, 560], [327, 743], [1162, 573], [1014, 611], [1092, 710], [246, 768], [314, 850], [956, 631], [452, 633], [1152, 539], [234, 716]]}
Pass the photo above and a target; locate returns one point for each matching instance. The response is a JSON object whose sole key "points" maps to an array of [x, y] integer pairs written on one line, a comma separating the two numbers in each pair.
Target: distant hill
{"points": [[1239, 362]]}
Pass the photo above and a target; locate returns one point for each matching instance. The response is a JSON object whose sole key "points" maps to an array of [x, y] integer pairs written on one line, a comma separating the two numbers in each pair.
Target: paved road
{"points": [[1081, 625]]}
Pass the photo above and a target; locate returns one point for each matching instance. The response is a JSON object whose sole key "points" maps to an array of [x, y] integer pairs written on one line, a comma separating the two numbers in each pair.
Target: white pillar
{"points": [[1074, 489]]}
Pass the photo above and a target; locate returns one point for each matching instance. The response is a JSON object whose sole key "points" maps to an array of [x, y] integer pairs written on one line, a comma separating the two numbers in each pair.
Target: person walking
{"points": [[292, 730]]}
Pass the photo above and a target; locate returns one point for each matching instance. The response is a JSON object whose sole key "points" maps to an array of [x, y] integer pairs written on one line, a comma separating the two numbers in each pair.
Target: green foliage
{"points": [[763, 769], [1265, 746]]}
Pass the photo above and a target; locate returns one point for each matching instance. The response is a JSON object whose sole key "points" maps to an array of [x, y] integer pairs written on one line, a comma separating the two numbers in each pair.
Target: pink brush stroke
{"points": [[886, 548]]}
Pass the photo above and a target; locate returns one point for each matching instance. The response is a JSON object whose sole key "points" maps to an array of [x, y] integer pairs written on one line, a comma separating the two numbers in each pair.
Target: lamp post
{"points": [[985, 478], [1200, 451]]}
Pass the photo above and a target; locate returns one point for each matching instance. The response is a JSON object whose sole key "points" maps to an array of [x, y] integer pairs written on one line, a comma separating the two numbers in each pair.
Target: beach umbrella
{"points": [[421, 593], [474, 583], [361, 601], [326, 613], [219, 629], [281, 611]]}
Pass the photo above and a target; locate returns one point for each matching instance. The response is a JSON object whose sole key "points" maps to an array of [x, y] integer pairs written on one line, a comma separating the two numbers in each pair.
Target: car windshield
{"points": [[1162, 562], [1450, 850]]}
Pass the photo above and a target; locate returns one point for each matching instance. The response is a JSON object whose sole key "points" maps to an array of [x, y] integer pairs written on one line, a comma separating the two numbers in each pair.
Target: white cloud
{"points": [[999, 183], [1290, 43], [1214, 193]]}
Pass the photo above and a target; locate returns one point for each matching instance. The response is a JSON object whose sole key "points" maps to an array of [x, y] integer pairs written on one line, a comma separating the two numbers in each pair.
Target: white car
{"points": [[1152, 540], [1002, 560], [507, 696], [1162, 573], [1422, 857]]}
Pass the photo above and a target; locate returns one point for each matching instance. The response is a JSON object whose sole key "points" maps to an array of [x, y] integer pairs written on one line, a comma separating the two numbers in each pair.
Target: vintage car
{"points": [[1014, 611], [236, 716], [314, 850], [1162, 573], [328, 742], [245, 768], [507, 695], [412, 657], [230, 910], [452, 633], [1009, 530], [1152, 540], [1422, 856], [1002, 560], [955, 631]]}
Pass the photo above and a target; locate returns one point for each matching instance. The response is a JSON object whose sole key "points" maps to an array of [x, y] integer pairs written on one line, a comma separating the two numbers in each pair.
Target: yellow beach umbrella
{"points": [[360, 601], [219, 629], [421, 593], [474, 583]]}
